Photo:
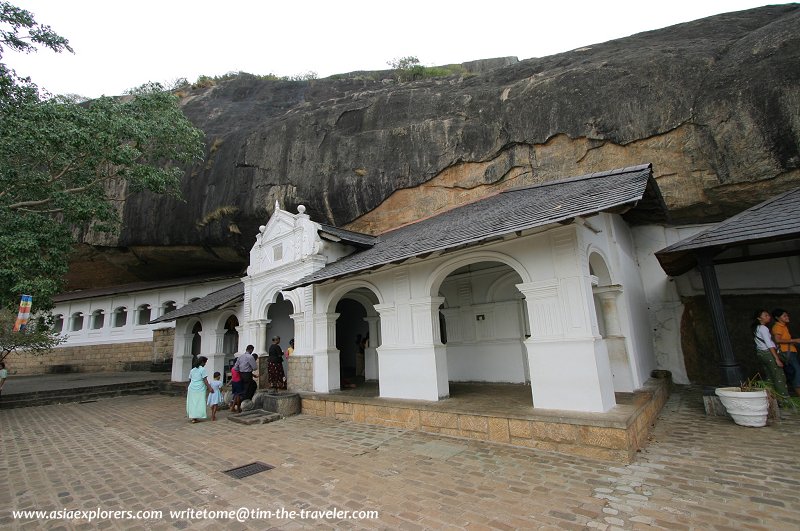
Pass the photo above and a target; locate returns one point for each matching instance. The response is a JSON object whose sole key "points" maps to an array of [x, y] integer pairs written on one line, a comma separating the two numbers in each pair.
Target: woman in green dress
{"points": [[198, 386]]}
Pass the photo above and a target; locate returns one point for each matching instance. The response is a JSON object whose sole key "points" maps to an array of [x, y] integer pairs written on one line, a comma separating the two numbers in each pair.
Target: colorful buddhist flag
{"points": [[24, 313]]}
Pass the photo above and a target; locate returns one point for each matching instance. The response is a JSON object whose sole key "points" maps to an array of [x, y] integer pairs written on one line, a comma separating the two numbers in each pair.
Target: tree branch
{"points": [[22, 204]]}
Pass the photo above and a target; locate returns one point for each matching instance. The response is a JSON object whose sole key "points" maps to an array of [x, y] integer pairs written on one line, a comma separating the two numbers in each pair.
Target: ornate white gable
{"points": [[286, 238]]}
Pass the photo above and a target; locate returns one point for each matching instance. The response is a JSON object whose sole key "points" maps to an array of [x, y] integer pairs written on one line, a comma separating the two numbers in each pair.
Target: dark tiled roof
{"points": [[503, 213], [137, 286], [212, 301], [775, 219], [347, 236]]}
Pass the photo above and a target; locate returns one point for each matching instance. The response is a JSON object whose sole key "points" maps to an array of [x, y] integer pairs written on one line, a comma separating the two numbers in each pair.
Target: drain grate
{"points": [[248, 470]]}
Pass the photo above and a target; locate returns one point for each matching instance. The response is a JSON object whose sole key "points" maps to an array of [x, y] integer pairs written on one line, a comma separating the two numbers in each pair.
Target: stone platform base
{"points": [[478, 414], [284, 403], [255, 416]]}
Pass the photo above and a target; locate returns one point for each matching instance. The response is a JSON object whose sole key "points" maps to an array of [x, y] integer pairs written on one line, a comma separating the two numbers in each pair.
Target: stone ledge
{"points": [[613, 436], [255, 416], [284, 403]]}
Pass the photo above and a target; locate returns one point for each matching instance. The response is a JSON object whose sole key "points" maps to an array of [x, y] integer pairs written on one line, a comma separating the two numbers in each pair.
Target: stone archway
{"points": [[351, 313], [230, 339], [485, 323], [279, 323], [197, 342], [188, 346], [357, 336]]}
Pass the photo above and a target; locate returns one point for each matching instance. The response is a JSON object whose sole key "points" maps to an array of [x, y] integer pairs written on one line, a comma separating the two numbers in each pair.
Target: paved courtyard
{"points": [[139, 454]]}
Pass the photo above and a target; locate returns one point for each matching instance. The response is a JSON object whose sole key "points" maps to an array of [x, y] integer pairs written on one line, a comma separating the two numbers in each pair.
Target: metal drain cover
{"points": [[248, 470]]}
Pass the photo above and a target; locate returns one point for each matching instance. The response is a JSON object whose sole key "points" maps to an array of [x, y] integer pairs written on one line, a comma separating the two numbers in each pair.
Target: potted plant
{"points": [[752, 402]]}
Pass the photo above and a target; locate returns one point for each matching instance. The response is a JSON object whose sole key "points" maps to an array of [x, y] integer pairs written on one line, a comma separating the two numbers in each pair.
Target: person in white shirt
{"points": [[767, 352]]}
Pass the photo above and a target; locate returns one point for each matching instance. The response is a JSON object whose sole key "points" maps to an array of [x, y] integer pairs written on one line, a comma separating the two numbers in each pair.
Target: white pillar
{"points": [[618, 357], [255, 333], [371, 356], [569, 366], [215, 355], [412, 363], [301, 348], [182, 358], [608, 298], [326, 355]]}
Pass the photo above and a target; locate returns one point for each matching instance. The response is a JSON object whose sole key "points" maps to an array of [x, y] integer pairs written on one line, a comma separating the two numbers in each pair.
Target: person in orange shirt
{"points": [[787, 348]]}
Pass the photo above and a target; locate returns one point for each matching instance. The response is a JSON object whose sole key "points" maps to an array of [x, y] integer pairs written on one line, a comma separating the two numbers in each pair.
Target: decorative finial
{"points": [[301, 209], [262, 228], [277, 206]]}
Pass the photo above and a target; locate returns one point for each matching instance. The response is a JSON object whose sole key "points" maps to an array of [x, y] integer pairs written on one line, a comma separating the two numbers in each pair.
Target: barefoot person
{"points": [[277, 379], [215, 398], [198, 387], [236, 391]]}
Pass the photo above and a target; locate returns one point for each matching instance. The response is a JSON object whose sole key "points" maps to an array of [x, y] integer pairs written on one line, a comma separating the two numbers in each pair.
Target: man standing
{"points": [[246, 364]]}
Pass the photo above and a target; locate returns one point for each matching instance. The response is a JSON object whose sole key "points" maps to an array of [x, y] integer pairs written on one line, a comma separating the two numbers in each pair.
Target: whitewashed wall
{"points": [[211, 341], [132, 331], [663, 293], [568, 361], [485, 326]]}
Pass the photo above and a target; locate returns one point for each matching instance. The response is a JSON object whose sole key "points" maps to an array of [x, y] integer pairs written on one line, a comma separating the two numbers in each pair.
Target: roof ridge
{"points": [[606, 173], [736, 217], [487, 217], [328, 225]]}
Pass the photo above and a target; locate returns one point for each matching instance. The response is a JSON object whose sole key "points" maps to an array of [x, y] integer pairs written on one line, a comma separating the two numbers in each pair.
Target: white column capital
{"points": [[607, 292]]}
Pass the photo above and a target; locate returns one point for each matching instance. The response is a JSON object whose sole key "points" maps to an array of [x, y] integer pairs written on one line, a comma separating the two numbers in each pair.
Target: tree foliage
{"points": [[65, 166], [19, 31], [403, 63], [37, 337], [408, 68]]}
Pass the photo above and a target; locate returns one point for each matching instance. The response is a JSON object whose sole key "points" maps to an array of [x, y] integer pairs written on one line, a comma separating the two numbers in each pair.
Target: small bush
{"points": [[305, 76]]}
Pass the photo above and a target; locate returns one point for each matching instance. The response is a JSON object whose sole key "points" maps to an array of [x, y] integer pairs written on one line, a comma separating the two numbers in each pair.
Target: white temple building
{"points": [[540, 285], [556, 286]]}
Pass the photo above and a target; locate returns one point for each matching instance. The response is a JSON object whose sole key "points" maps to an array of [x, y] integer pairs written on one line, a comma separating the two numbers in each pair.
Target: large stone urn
{"points": [[746, 408]]}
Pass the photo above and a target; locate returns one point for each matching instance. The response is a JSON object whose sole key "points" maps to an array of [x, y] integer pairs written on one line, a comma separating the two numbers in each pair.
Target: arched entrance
{"points": [[279, 323], [197, 330], [357, 337], [230, 340], [485, 324]]}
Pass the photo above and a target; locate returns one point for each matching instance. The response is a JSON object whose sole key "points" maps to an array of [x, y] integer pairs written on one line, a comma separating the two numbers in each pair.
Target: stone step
{"points": [[82, 394], [255, 416]]}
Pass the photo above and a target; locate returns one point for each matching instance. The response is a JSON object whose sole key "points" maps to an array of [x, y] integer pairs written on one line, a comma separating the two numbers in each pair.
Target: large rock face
{"points": [[714, 105]]}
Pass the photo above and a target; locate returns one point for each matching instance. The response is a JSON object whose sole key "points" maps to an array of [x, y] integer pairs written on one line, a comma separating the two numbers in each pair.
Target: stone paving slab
{"points": [[254, 416], [139, 453]]}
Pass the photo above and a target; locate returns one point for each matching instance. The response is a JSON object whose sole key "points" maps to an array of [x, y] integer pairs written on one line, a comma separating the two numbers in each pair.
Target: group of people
{"points": [[777, 350], [203, 392]]}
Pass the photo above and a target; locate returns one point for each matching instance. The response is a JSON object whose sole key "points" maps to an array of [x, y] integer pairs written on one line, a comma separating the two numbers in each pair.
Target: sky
{"points": [[121, 45]]}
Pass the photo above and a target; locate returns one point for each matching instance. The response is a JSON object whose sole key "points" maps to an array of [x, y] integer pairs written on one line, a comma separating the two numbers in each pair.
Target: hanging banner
{"points": [[24, 313]]}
